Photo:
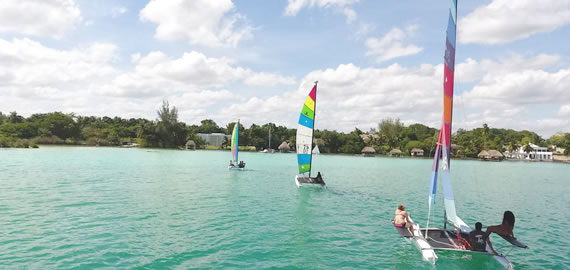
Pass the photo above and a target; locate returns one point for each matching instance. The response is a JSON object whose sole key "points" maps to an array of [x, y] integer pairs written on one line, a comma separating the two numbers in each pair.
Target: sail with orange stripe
{"points": [[444, 141]]}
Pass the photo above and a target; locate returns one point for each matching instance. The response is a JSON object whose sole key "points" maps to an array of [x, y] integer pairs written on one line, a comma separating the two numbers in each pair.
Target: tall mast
{"points": [[313, 134]]}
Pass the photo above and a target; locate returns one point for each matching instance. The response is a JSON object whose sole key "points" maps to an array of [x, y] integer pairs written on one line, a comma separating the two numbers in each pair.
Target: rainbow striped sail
{"points": [[235, 137], [444, 140], [305, 132]]}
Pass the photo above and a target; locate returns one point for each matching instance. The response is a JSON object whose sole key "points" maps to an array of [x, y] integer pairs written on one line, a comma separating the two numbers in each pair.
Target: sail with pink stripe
{"points": [[443, 148], [305, 131]]}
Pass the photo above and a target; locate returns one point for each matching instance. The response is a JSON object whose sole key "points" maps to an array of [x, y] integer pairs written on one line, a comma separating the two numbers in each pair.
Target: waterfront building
{"points": [[214, 139], [537, 153]]}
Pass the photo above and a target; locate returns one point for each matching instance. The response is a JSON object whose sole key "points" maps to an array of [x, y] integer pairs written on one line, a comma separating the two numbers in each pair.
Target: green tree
{"points": [[391, 130]]}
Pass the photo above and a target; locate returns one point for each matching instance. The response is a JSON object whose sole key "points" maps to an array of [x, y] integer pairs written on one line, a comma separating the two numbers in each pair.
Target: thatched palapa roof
{"points": [[495, 154], [483, 154], [395, 151], [368, 150], [284, 146]]}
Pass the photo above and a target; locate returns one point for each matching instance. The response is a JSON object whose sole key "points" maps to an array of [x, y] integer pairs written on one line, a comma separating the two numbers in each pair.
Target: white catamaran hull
{"points": [[235, 168], [427, 251], [301, 181]]}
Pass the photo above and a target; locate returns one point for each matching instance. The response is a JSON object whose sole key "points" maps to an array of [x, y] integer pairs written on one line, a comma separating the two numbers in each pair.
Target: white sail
{"points": [[316, 150]]}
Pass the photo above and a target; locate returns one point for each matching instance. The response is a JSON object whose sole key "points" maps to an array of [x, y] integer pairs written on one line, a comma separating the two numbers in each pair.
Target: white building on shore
{"points": [[538, 153], [214, 139]]}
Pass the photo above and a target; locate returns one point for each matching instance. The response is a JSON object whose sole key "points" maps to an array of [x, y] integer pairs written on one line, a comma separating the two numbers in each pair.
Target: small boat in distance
{"points": [[305, 132], [316, 150], [235, 164], [269, 150]]}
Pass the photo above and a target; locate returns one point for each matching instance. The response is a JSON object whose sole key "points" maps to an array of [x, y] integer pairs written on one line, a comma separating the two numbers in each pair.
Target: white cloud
{"points": [[350, 14], [511, 93], [519, 92], [350, 96], [28, 64], [564, 110], [156, 74], [364, 29], [391, 45], [52, 18], [504, 21], [35, 78], [118, 11], [203, 22], [294, 6], [473, 70], [522, 87]]}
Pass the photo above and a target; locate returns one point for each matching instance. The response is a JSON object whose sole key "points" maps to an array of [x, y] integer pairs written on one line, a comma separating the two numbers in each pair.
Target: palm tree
{"points": [[527, 148]]}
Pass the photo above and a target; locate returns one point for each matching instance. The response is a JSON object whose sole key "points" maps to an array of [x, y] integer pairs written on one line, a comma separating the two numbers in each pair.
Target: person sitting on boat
{"points": [[319, 179], [241, 164], [231, 164], [402, 219], [504, 229], [477, 238]]}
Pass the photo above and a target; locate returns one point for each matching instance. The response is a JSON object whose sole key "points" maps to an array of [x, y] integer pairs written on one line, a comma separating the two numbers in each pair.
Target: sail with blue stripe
{"points": [[443, 148], [235, 140], [305, 131]]}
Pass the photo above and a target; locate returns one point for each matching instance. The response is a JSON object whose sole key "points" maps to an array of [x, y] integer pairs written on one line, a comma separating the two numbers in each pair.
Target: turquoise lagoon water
{"points": [[81, 207]]}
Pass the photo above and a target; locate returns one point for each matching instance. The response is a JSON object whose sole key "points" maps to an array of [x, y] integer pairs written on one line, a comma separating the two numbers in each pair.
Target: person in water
{"points": [[504, 229], [402, 219], [477, 238]]}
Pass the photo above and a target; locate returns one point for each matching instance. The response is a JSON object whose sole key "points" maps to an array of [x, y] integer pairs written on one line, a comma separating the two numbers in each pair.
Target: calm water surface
{"points": [[81, 207]]}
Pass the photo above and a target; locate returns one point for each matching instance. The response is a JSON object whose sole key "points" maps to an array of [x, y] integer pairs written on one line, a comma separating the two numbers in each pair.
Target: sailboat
{"points": [[454, 238], [305, 132], [235, 164], [269, 150], [316, 150]]}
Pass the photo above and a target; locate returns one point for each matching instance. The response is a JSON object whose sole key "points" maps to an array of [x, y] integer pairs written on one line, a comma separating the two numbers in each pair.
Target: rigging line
{"points": [[432, 143]]}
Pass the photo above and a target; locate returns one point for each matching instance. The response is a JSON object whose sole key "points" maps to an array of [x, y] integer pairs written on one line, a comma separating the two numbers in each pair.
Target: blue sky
{"points": [[256, 60]]}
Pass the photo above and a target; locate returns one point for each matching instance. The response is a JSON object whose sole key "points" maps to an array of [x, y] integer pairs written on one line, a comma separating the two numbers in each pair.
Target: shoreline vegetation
{"points": [[166, 131]]}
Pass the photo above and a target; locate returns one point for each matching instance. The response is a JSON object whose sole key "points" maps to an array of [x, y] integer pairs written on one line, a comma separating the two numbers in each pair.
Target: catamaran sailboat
{"points": [[305, 132], [455, 237], [269, 149], [234, 165]]}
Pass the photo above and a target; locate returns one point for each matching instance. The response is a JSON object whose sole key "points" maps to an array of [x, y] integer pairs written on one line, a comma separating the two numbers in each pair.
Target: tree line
{"points": [[168, 132]]}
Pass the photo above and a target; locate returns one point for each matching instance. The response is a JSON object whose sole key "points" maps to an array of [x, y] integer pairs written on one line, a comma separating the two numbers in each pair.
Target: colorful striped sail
{"points": [[305, 132], [235, 138], [444, 141]]}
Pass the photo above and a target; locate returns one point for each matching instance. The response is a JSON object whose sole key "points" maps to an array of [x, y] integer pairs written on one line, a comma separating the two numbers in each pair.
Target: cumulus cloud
{"points": [[35, 78], [203, 22], [504, 21], [472, 70], [52, 18], [391, 45], [118, 11], [350, 96], [511, 93], [28, 64], [294, 6], [156, 73], [564, 110]]}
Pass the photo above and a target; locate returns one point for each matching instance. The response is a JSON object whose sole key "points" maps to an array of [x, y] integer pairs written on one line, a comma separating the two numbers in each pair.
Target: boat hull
{"points": [[235, 168], [427, 251], [301, 181], [445, 239]]}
